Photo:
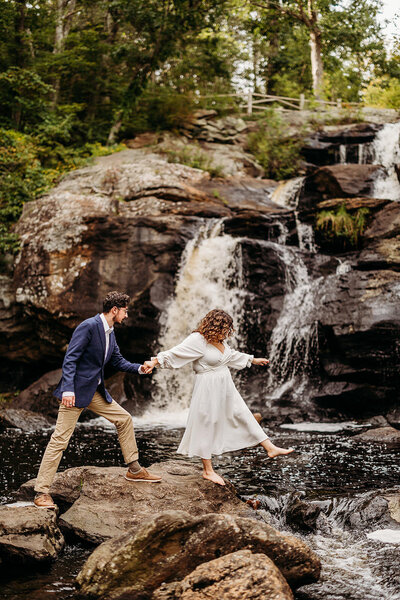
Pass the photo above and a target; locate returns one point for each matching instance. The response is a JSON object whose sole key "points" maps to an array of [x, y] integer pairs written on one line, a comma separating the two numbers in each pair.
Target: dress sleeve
{"points": [[239, 360], [186, 352]]}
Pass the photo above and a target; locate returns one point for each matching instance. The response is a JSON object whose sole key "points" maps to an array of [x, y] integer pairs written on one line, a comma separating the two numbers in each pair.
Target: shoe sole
{"points": [[145, 480], [50, 506]]}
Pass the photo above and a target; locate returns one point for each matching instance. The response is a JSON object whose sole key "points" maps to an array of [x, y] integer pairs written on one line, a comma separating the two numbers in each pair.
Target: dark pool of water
{"points": [[323, 465]]}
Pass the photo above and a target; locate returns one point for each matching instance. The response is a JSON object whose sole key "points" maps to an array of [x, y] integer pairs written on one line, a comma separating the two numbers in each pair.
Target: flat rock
{"points": [[231, 577], [23, 419], [106, 505], [29, 534], [381, 434], [169, 546]]}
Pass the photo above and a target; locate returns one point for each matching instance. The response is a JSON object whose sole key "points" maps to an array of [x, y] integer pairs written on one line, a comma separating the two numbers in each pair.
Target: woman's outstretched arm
{"points": [[186, 352]]}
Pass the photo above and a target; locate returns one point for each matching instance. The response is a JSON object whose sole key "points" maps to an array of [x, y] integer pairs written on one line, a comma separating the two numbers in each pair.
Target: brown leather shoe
{"points": [[142, 475], [44, 501]]}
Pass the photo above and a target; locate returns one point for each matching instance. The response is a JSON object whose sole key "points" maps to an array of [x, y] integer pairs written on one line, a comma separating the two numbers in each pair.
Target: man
{"points": [[92, 345]]}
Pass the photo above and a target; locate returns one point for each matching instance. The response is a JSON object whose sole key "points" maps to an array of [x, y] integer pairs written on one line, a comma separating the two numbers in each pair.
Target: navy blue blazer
{"points": [[84, 362]]}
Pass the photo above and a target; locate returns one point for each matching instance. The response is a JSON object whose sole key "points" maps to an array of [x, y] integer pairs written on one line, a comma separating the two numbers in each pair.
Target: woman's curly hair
{"points": [[216, 325]]}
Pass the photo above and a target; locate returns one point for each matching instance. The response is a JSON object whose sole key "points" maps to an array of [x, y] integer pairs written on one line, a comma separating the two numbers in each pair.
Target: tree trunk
{"points": [[63, 26], [115, 130], [317, 67]]}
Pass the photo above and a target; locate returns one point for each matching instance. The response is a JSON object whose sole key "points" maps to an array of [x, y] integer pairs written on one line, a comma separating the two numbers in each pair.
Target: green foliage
{"points": [[276, 150], [28, 169], [341, 230], [193, 156], [383, 92]]}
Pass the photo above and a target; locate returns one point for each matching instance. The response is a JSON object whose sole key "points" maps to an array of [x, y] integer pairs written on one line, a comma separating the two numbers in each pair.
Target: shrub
{"points": [[193, 156], [276, 151], [340, 230]]}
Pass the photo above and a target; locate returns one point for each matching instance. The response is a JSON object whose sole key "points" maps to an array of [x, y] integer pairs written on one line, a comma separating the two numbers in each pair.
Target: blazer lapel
{"points": [[102, 335]]}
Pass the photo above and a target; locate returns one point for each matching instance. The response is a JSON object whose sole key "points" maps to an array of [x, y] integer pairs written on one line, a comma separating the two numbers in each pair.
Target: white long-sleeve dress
{"points": [[219, 420]]}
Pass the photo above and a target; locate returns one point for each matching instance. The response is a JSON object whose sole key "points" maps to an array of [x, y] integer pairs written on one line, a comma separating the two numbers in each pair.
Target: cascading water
{"points": [[288, 194], [210, 276], [294, 341], [386, 152]]}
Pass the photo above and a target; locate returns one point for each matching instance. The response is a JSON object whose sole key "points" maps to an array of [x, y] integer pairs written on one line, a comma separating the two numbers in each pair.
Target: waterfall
{"points": [[210, 276], [288, 194], [342, 154], [294, 340], [386, 151]]}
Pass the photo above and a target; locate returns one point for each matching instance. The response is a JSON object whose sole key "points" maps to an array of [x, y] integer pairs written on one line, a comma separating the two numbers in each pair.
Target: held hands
{"points": [[260, 361], [148, 365]]}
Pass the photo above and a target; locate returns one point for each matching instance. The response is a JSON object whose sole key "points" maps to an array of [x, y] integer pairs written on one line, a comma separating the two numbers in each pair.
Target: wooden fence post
{"points": [[250, 103], [301, 101], [339, 103]]}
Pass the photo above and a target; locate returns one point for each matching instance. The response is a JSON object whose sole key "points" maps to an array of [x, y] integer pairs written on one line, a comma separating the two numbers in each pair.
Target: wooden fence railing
{"points": [[255, 101]]}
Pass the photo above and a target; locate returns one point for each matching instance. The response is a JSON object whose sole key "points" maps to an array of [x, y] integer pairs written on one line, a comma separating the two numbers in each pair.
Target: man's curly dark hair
{"points": [[117, 299]]}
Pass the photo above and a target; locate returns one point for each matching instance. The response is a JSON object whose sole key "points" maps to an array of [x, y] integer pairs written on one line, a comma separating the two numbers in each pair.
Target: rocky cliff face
{"points": [[329, 318]]}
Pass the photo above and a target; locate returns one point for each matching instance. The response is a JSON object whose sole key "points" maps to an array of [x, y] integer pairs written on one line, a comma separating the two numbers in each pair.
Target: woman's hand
{"points": [[260, 361]]}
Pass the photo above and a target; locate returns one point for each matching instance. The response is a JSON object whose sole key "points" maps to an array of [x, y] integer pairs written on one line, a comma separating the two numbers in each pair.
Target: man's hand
{"points": [[260, 361], [68, 401]]}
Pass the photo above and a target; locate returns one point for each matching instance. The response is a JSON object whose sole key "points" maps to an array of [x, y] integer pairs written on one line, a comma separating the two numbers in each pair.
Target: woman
{"points": [[219, 420]]}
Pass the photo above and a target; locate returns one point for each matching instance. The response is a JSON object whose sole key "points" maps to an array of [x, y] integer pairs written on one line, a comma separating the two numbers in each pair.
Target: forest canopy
{"points": [[76, 75]]}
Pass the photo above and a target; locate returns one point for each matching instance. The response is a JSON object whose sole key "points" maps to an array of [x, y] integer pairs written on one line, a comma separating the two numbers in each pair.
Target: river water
{"points": [[333, 469]]}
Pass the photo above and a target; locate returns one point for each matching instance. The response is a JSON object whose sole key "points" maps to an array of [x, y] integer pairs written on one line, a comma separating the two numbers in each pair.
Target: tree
{"points": [[335, 28]]}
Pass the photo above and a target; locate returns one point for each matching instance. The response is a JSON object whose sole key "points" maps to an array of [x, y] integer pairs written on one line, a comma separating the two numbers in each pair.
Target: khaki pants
{"points": [[66, 421]]}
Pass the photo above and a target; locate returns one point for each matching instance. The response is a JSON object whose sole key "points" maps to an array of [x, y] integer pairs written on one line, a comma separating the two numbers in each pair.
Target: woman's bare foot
{"points": [[214, 477], [274, 451], [279, 451]]}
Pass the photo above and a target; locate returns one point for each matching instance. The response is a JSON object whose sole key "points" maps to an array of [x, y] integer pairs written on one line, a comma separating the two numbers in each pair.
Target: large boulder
{"points": [[104, 504], [38, 397], [29, 535], [339, 181], [230, 577], [122, 223], [23, 419], [169, 546]]}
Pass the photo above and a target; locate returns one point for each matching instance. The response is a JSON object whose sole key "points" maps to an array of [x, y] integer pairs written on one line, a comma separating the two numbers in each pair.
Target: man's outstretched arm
{"points": [[120, 363]]}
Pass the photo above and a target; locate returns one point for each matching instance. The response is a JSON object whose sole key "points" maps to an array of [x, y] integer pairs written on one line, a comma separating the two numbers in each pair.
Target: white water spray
{"points": [[386, 150]]}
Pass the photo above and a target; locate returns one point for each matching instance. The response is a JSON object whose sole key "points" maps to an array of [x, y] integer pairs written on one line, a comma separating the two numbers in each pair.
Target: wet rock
{"points": [[38, 397], [29, 535], [23, 419], [230, 577], [388, 435], [66, 487], [393, 417], [394, 505], [105, 504], [322, 147], [132, 561], [339, 181], [303, 516]]}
